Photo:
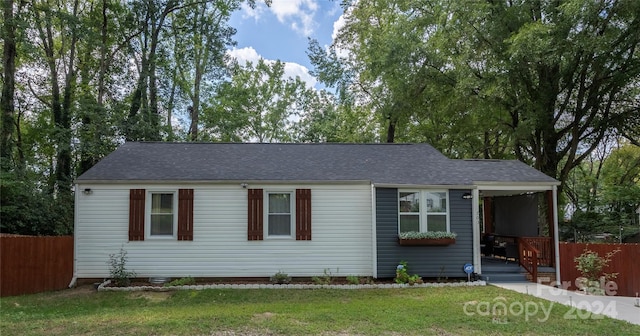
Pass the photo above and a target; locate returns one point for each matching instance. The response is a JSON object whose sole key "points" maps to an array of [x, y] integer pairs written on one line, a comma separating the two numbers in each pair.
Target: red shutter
{"points": [[255, 215], [136, 214], [185, 214], [303, 214]]}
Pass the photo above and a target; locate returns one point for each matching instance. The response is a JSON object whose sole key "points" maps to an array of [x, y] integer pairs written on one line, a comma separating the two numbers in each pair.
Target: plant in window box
{"points": [[437, 238]]}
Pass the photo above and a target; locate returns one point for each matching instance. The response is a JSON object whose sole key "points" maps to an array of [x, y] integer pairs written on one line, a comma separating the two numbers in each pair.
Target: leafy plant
{"points": [[325, 279], [280, 278], [353, 279], [118, 269], [591, 266], [403, 277], [415, 279], [427, 235], [187, 281]]}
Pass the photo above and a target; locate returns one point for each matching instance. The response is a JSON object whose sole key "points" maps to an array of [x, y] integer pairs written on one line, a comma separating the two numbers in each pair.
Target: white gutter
{"points": [[556, 237], [75, 237], [475, 203], [373, 232]]}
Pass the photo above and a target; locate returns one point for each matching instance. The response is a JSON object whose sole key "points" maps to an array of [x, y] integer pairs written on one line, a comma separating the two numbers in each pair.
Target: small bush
{"points": [[187, 281], [280, 278], [591, 266], [118, 269], [403, 277], [353, 280], [325, 279]]}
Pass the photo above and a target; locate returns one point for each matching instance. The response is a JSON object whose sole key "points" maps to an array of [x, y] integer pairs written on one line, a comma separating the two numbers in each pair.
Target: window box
{"points": [[427, 241], [433, 238]]}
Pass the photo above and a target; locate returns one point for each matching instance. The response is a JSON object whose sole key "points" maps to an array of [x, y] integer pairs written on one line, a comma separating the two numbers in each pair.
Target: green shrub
{"points": [[120, 276], [353, 279], [186, 281], [280, 278]]}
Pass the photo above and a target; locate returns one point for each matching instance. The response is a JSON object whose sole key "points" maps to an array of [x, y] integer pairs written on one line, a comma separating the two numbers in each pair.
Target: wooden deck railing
{"points": [[544, 245], [528, 257]]}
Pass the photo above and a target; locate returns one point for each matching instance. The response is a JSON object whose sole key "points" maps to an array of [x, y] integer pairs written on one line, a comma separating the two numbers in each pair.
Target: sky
{"points": [[282, 32]]}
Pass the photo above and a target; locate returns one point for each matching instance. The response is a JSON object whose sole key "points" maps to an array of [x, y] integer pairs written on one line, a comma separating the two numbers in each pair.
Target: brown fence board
{"points": [[626, 263], [35, 264]]}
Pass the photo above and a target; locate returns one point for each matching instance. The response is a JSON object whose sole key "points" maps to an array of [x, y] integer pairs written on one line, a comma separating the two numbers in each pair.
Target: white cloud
{"points": [[340, 22], [244, 55], [298, 14], [291, 69]]}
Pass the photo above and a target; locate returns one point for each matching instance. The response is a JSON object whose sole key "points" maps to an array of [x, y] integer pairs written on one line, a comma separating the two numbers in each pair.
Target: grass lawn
{"points": [[412, 311]]}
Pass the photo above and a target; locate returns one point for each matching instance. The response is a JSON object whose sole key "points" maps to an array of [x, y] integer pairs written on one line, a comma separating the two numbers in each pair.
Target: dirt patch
{"points": [[262, 316], [152, 296], [77, 291]]}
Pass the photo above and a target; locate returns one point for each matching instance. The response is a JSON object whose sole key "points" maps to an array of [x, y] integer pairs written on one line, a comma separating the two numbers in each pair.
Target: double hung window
{"points": [[423, 210]]}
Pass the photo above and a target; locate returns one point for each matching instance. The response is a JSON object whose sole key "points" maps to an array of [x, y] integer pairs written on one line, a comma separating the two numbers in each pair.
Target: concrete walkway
{"points": [[618, 307]]}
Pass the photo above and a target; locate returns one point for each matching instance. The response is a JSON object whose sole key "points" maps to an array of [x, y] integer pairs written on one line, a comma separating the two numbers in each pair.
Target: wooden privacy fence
{"points": [[626, 263], [35, 264]]}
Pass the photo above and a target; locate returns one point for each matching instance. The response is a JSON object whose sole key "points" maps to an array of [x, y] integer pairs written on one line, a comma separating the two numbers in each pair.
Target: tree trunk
{"points": [[8, 86]]}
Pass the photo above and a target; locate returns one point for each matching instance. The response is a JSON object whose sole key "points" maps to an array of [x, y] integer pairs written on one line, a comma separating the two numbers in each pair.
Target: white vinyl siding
{"points": [[342, 235]]}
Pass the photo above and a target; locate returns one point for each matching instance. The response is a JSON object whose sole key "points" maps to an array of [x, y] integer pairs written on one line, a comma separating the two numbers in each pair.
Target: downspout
{"points": [[556, 236], [373, 232], [475, 204], [75, 237]]}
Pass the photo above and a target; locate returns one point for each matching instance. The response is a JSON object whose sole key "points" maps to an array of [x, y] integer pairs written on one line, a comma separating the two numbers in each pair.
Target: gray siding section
{"points": [[426, 261]]}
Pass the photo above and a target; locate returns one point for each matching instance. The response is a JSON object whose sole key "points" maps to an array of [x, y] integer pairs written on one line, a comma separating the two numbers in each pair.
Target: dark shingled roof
{"points": [[417, 164]]}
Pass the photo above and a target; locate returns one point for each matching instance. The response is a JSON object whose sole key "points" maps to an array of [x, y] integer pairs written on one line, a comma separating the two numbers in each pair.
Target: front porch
{"points": [[516, 243]]}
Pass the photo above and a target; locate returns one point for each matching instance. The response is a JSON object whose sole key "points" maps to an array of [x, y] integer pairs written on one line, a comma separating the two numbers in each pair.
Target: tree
{"points": [[200, 35], [547, 79], [258, 104]]}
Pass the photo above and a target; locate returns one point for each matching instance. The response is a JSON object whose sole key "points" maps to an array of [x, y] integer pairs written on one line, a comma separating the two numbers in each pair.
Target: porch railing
{"points": [[544, 245], [528, 257]]}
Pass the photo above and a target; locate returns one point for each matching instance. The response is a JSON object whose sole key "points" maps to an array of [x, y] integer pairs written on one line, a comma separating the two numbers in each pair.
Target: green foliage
{"points": [[604, 191], [353, 279], [325, 279], [427, 235], [26, 209], [280, 278], [403, 277], [402, 273], [186, 281], [120, 276], [591, 266]]}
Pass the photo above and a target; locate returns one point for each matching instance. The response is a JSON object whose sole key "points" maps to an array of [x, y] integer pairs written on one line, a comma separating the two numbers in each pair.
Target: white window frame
{"points": [[174, 212], [423, 213], [292, 210]]}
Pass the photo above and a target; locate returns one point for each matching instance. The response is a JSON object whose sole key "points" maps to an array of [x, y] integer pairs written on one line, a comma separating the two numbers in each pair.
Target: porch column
{"points": [[556, 240], [488, 214], [475, 204]]}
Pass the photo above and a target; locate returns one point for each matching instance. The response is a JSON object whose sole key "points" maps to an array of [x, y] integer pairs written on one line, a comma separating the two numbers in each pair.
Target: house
{"points": [[251, 210]]}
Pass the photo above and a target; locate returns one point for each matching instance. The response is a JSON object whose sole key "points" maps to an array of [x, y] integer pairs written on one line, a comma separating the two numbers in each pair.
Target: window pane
{"points": [[409, 223], [279, 225], [279, 203], [436, 201], [437, 223], [162, 224], [162, 203], [409, 202]]}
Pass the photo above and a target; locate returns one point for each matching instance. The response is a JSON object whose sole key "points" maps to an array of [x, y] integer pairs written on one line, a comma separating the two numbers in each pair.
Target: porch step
{"points": [[504, 268], [503, 277]]}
